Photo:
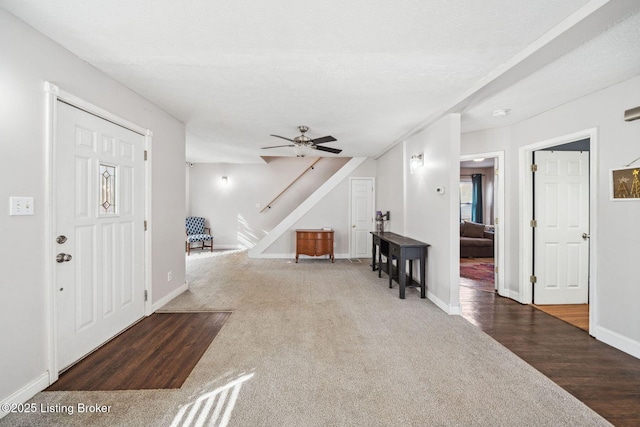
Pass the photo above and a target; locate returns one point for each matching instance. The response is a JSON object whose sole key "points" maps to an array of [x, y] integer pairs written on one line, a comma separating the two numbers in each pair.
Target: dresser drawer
{"points": [[324, 246], [307, 247], [394, 251], [311, 235]]}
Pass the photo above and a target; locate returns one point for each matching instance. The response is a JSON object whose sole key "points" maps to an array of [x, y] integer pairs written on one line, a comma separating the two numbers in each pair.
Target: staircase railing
{"points": [[268, 205]]}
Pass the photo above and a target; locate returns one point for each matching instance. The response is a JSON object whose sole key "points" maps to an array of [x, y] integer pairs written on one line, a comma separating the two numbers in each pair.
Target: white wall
{"points": [[231, 210], [187, 188], [28, 60], [617, 241], [390, 188], [332, 211], [429, 217]]}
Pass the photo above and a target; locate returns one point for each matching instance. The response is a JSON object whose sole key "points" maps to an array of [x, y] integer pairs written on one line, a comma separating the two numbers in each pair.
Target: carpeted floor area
{"points": [[321, 344]]}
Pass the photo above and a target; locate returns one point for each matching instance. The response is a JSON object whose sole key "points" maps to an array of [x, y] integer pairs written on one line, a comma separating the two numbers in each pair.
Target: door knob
{"points": [[61, 239], [63, 257], [353, 226], [585, 236]]}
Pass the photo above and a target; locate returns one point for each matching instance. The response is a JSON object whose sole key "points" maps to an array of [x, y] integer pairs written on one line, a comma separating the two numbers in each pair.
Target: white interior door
{"points": [[99, 209], [361, 217], [561, 209]]}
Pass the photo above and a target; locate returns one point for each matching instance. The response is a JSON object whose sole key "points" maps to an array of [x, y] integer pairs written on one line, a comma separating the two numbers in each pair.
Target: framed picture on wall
{"points": [[625, 184]]}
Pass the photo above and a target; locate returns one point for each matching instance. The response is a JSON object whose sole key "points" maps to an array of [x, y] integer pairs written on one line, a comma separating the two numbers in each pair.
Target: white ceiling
{"points": [[370, 73]]}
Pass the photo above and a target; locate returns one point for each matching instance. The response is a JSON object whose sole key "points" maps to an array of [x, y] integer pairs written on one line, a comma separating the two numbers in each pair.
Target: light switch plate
{"points": [[20, 205]]}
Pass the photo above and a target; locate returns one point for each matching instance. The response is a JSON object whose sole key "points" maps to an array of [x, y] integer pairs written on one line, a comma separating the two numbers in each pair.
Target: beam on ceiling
{"points": [[583, 25]]}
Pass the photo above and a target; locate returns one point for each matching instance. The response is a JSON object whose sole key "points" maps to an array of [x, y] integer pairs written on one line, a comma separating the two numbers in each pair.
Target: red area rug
{"points": [[478, 276]]}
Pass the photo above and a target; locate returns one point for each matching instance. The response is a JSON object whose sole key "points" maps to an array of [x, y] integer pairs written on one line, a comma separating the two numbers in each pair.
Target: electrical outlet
{"points": [[169, 276], [21, 206]]}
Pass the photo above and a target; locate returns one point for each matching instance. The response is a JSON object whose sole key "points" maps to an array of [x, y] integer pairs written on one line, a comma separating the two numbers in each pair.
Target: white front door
{"points": [[362, 217], [561, 209], [99, 209]]}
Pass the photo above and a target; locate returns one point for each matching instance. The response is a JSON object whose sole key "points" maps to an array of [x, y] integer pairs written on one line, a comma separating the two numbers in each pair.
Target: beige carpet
{"points": [[321, 344]]}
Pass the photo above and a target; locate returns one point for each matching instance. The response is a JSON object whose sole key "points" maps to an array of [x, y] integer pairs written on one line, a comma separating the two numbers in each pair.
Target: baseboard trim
{"points": [[165, 300], [618, 341], [455, 310], [508, 293], [447, 308], [293, 256], [26, 392]]}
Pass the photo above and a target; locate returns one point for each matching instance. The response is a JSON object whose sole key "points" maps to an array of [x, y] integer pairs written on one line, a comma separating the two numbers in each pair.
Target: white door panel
{"points": [[561, 254], [99, 207], [361, 217]]}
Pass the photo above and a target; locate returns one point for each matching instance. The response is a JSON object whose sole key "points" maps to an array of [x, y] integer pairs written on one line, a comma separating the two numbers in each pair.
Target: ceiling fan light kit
{"points": [[302, 143]]}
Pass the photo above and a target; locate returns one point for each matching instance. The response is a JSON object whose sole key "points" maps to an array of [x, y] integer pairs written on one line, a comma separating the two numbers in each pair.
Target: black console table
{"points": [[403, 249]]}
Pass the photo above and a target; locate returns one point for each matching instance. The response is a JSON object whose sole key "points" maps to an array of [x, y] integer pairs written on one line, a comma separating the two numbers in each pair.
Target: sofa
{"points": [[476, 240]]}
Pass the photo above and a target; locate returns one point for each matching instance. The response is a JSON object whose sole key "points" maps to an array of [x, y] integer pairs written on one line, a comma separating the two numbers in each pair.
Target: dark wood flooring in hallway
{"points": [[604, 378]]}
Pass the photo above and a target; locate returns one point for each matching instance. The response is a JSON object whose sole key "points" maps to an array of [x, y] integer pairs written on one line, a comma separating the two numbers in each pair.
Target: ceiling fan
{"points": [[305, 141]]}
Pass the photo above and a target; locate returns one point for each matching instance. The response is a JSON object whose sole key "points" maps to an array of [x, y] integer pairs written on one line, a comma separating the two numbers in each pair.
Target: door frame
{"points": [[526, 214], [373, 202], [53, 95], [499, 252]]}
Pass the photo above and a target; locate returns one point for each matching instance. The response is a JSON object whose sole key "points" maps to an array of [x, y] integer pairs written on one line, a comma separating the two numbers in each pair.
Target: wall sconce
{"points": [[632, 114], [417, 161], [225, 180]]}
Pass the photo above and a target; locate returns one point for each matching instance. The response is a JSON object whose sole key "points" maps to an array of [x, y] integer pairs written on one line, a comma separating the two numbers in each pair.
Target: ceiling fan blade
{"points": [[278, 136], [323, 139], [278, 146], [327, 149]]}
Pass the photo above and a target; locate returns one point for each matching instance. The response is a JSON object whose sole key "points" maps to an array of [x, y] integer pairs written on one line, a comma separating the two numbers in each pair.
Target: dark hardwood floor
{"points": [[604, 378], [158, 352]]}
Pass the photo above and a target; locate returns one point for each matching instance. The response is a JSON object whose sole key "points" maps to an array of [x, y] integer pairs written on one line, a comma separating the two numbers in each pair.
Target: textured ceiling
{"points": [[370, 73], [603, 61]]}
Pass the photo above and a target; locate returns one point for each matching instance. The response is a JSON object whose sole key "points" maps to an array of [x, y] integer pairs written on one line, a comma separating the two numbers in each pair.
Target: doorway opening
{"points": [[481, 209], [361, 216], [98, 201], [561, 231], [557, 221]]}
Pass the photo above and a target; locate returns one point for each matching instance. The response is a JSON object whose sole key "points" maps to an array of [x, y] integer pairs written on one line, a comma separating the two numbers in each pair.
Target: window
{"points": [[466, 198], [107, 189]]}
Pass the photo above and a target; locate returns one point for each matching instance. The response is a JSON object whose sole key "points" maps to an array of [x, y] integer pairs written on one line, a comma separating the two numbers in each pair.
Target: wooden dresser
{"points": [[314, 243]]}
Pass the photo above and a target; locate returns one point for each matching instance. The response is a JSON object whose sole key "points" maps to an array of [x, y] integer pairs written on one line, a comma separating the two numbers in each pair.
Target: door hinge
{"points": [[534, 168], [145, 154], [146, 295], [496, 171], [495, 270], [145, 225], [496, 221], [533, 223], [533, 278]]}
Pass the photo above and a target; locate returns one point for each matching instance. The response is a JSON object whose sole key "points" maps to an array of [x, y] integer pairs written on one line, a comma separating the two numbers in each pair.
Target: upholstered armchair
{"points": [[197, 232]]}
